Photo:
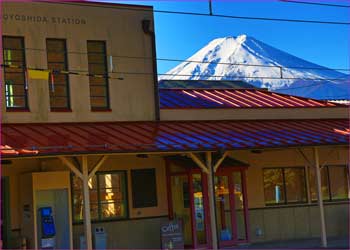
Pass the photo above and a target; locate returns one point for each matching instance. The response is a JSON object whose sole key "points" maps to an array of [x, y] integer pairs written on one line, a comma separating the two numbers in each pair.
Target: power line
{"points": [[253, 18], [232, 16], [316, 3], [197, 61], [248, 77], [223, 77], [251, 65]]}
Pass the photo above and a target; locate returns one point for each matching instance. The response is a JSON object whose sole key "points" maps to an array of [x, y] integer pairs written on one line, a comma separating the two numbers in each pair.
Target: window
{"points": [[108, 198], [99, 93], [334, 183], [16, 95], [57, 61], [144, 188], [284, 185]]}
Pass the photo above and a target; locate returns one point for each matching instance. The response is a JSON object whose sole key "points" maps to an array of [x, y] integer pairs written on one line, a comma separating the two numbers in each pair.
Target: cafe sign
{"points": [[171, 235]]}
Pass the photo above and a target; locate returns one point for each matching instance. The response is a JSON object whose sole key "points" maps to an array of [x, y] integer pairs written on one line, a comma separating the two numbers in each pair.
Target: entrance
{"points": [[189, 203], [231, 207]]}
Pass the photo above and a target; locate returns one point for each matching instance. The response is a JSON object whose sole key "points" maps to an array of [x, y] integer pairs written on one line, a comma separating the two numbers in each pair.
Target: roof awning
{"points": [[235, 99], [19, 140]]}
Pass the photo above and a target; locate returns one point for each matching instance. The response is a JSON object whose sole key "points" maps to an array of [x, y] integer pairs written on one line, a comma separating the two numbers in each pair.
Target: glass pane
{"points": [[96, 46], [56, 66], [339, 182], [56, 57], [15, 102], [181, 205], [98, 81], [59, 90], [97, 58], [60, 79], [239, 205], [99, 102], [273, 186], [100, 91], [199, 208], [15, 78], [13, 43], [13, 54], [112, 210], [223, 209], [56, 60], [14, 89], [58, 102], [56, 45], [99, 69], [97, 65], [324, 184], [295, 184], [78, 209], [112, 195]]}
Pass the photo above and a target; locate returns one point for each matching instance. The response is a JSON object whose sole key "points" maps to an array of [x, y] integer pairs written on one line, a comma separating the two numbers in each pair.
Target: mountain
{"points": [[227, 59]]}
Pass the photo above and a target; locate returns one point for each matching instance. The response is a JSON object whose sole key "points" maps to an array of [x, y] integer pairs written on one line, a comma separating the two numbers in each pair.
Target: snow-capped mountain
{"points": [[227, 59]]}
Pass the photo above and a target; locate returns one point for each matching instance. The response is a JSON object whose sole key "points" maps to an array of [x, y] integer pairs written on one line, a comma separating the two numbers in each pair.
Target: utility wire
{"points": [[316, 3], [253, 18], [197, 61], [232, 16], [251, 65], [252, 77], [223, 78]]}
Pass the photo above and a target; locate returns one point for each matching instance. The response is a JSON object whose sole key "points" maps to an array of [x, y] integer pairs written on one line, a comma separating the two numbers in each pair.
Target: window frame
{"points": [[108, 106], [60, 109], [99, 215], [134, 201], [286, 202], [25, 108], [331, 199]]}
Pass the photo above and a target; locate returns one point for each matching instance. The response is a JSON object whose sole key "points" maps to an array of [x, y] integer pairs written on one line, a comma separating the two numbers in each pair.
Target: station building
{"points": [[85, 134]]}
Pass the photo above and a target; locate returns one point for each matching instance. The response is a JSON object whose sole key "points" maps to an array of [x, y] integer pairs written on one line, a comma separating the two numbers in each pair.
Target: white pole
{"points": [[87, 217], [211, 193], [308, 190], [320, 198]]}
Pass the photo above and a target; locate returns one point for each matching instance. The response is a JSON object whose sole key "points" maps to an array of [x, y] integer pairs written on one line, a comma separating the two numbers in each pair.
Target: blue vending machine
{"points": [[47, 230]]}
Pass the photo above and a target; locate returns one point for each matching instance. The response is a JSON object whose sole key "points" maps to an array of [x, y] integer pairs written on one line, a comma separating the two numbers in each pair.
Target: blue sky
{"points": [[180, 36]]}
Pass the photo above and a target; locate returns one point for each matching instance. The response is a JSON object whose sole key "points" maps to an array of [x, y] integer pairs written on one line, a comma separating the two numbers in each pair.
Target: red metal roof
{"points": [[234, 98], [109, 137]]}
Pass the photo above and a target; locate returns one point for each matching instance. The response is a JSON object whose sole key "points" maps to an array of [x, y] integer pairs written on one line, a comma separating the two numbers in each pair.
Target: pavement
{"points": [[314, 243]]}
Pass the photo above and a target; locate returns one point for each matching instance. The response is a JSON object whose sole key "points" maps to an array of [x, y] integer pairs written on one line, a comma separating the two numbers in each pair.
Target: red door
{"points": [[231, 207], [188, 202]]}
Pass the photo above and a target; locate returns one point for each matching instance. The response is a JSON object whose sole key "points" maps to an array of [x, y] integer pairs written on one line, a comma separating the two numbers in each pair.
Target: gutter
{"points": [[146, 25]]}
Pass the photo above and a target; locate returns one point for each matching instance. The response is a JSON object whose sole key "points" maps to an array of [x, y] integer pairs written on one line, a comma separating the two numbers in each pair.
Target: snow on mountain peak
{"points": [[246, 58], [241, 38]]}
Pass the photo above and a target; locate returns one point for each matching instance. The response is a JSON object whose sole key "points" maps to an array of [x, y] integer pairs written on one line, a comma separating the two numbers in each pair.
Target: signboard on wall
{"points": [[171, 235]]}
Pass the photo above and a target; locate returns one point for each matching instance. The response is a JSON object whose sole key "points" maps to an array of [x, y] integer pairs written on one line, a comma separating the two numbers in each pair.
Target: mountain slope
{"points": [[227, 59]]}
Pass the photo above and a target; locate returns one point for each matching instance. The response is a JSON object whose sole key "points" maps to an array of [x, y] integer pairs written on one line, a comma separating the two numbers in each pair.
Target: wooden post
{"points": [[211, 192], [320, 198], [87, 217]]}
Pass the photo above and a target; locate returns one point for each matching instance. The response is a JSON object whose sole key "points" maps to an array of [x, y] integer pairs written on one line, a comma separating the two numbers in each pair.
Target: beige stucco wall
{"points": [[128, 234], [130, 99], [282, 158], [143, 224], [253, 114], [20, 167], [298, 222]]}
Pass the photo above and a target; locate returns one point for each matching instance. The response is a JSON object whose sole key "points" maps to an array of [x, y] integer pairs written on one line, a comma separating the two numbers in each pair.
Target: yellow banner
{"points": [[38, 74]]}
